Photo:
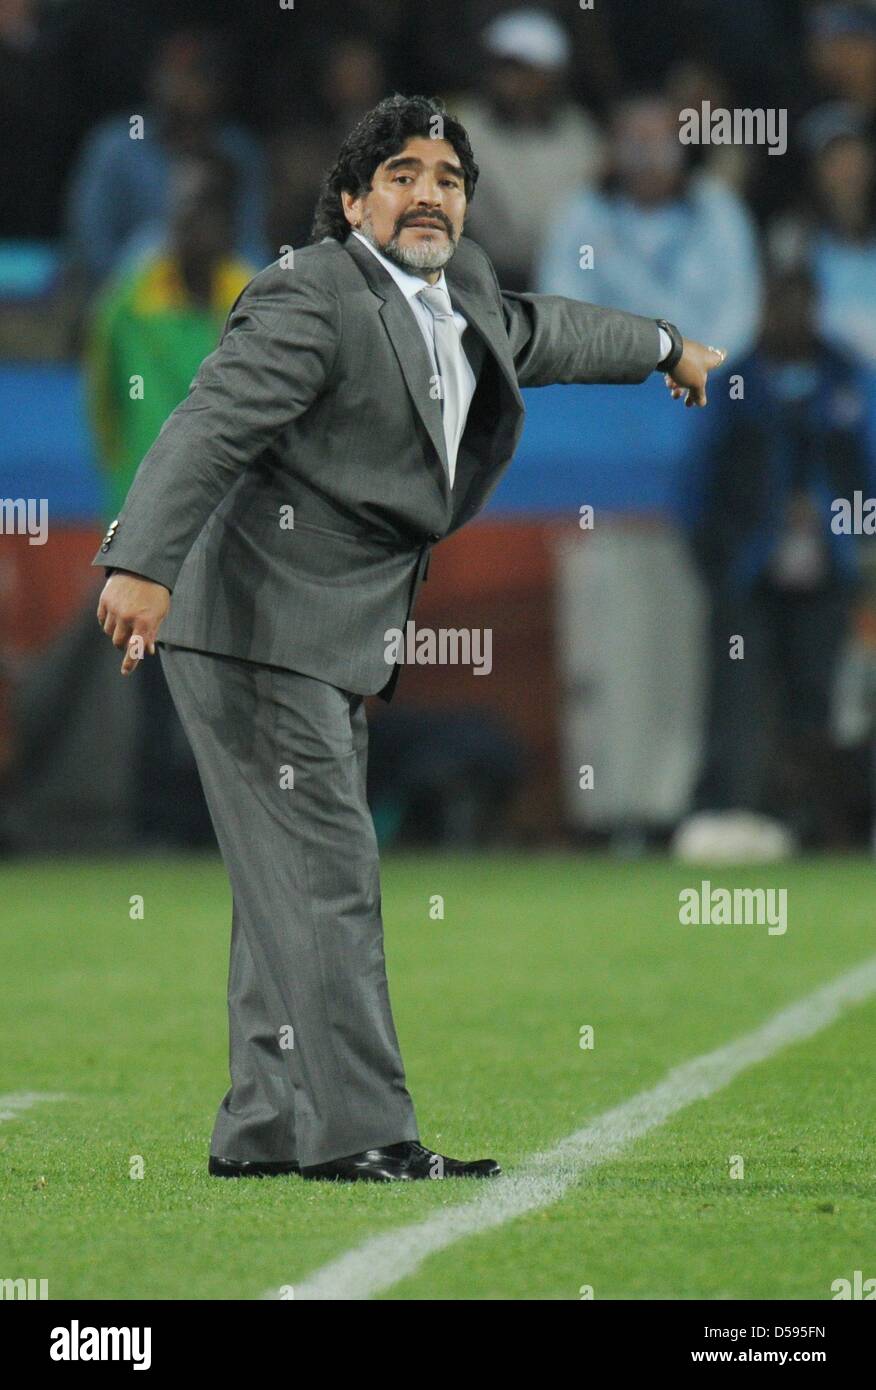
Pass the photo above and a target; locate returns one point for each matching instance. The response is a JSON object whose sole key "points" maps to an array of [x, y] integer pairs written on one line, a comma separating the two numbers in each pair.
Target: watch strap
{"points": [[675, 352]]}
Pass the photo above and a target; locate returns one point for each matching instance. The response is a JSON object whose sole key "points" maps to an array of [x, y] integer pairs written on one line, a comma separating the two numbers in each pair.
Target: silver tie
{"points": [[448, 350]]}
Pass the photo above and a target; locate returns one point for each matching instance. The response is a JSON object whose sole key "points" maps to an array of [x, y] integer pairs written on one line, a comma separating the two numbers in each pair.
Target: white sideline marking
{"points": [[384, 1260], [11, 1106]]}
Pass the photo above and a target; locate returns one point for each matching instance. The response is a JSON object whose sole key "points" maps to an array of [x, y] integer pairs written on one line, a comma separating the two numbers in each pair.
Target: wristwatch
{"points": [[672, 357]]}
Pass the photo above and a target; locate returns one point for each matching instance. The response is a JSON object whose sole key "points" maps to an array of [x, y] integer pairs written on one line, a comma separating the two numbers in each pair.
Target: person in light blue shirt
{"points": [[655, 235], [119, 199]]}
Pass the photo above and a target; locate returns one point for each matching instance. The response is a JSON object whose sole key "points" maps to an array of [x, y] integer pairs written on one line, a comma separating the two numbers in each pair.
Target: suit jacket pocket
{"points": [[324, 557]]}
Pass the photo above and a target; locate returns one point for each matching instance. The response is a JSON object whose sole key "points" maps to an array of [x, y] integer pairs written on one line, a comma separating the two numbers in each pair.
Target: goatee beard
{"points": [[421, 257]]}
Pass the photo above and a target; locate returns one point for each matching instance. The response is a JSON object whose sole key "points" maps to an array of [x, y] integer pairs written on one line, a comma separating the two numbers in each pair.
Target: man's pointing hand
{"points": [[691, 371], [130, 611]]}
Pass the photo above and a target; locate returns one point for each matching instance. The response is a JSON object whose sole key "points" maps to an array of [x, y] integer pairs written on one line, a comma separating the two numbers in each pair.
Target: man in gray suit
{"points": [[362, 404]]}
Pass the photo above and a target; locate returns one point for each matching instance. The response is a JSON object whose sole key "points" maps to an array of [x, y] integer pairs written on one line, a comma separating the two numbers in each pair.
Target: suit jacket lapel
{"points": [[485, 319], [468, 296], [464, 276]]}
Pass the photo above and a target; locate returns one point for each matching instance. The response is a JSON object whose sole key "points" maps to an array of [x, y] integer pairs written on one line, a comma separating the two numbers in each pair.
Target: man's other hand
{"points": [[130, 611], [691, 371]]}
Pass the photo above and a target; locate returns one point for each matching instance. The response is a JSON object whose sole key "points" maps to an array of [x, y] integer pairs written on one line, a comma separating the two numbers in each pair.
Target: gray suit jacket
{"points": [[318, 399]]}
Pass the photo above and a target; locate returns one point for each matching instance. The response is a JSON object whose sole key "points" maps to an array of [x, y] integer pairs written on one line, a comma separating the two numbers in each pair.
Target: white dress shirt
{"points": [[410, 286]]}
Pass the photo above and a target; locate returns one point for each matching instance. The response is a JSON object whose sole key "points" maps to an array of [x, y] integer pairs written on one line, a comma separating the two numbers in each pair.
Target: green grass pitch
{"points": [[127, 1019]]}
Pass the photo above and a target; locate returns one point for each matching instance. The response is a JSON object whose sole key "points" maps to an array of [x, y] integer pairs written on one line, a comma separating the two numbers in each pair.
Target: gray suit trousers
{"points": [[316, 1071]]}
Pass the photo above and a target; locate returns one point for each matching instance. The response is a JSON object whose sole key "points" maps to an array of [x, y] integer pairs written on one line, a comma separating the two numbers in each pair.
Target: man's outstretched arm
{"points": [[555, 340]]}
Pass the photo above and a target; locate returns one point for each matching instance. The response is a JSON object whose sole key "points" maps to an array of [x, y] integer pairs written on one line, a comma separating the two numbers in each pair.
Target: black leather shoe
{"points": [[404, 1162], [230, 1168]]}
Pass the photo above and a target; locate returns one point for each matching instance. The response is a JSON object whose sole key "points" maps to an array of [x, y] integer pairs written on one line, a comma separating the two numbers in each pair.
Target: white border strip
{"points": [[384, 1260]]}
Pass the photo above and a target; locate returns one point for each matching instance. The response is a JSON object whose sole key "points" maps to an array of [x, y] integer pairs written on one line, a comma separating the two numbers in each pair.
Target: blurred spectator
{"points": [[158, 318], [665, 242], [119, 191], [777, 574], [351, 81], [533, 144], [833, 228], [841, 50], [688, 85]]}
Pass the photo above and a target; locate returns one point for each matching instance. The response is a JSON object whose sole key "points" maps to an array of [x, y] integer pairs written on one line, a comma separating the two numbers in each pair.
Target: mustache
{"points": [[428, 217]]}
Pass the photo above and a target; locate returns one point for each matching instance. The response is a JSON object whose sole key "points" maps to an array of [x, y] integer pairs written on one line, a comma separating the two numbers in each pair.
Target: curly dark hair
{"points": [[383, 132]]}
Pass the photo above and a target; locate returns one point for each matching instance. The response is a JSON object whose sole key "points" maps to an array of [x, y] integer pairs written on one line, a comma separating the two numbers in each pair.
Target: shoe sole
{"points": [[372, 1177]]}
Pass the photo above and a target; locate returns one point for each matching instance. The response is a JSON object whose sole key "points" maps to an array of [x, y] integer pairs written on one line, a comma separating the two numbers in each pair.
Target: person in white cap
{"points": [[536, 145]]}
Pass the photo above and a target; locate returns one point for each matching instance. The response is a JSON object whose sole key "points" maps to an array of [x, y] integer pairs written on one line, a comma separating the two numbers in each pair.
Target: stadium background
{"points": [[609, 645], [600, 637]]}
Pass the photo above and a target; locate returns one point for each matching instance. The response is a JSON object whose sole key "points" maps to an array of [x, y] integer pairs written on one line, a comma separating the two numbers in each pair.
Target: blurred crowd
{"points": [[171, 150]]}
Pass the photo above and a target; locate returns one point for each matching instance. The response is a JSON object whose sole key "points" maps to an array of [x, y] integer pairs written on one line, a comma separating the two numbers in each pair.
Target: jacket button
{"points": [[105, 545], [434, 536]]}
